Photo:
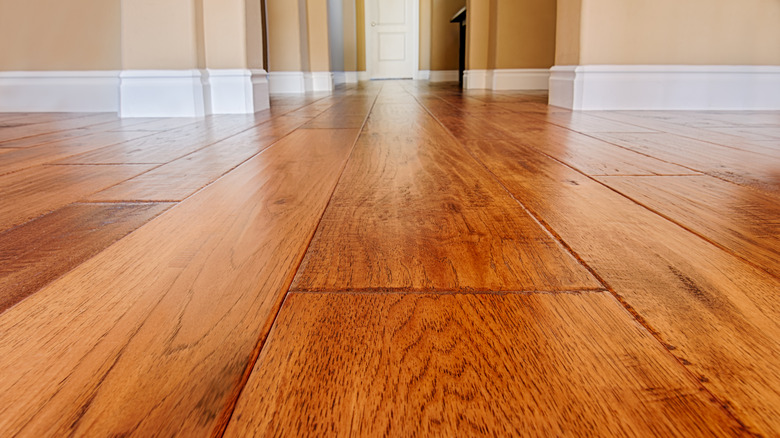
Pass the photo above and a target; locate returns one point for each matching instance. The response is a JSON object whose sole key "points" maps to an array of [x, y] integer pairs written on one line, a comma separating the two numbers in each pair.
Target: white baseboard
{"points": [[478, 80], [363, 76], [163, 93], [237, 91], [318, 81], [59, 91], [507, 79], [665, 87], [443, 76], [282, 82], [345, 77], [422, 75]]}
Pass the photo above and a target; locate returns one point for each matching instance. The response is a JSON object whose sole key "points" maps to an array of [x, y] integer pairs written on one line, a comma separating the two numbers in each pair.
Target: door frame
{"points": [[415, 36]]}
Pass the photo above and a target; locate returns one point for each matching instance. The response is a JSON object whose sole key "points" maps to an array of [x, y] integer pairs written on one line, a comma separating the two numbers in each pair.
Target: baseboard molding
{"points": [[443, 76], [59, 91], [283, 82], [665, 87], [422, 75], [318, 81], [363, 76], [163, 93], [345, 77], [507, 79], [237, 91]]}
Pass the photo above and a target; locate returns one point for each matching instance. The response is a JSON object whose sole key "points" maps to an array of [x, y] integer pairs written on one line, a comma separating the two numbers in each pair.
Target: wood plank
{"points": [[132, 124], [15, 132], [577, 121], [29, 193], [167, 146], [34, 254], [743, 220], [154, 335], [413, 211], [717, 314], [467, 365], [182, 177], [24, 158], [741, 167]]}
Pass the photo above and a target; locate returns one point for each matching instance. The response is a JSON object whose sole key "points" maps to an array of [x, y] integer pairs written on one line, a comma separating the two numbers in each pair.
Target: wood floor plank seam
{"points": [[724, 405], [450, 292], [221, 426]]}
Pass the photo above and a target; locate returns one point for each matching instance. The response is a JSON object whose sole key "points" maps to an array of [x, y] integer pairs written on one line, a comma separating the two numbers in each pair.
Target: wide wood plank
{"points": [[743, 220], [154, 335], [166, 146], [757, 170], [47, 153], [413, 211], [29, 130], [182, 177], [58, 136], [34, 254], [29, 193], [716, 313], [584, 122], [468, 365]]}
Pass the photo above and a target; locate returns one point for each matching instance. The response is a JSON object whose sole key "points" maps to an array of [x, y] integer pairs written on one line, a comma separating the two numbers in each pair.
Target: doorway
{"points": [[392, 38]]}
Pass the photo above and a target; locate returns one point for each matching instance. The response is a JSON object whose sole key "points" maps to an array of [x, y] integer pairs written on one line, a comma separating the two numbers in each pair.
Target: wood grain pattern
{"points": [[413, 211], [32, 156], [34, 254], [59, 136], [153, 336], [29, 193], [717, 314], [580, 122], [468, 365], [743, 220], [169, 145], [182, 177], [757, 170], [21, 130]]}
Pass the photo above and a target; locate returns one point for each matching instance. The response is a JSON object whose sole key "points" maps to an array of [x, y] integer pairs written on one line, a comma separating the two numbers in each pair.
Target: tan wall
{"points": [[480, 50], [698, 32], [160, 34], [317, 32], [567, 32], [255, 34], [284, 36], [424, 60], [349, 27], [224, 26], [59, 35], [360, 33], [525, 34], [445, 38]]}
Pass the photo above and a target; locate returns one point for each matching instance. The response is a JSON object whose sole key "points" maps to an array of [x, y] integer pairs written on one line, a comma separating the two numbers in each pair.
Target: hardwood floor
{"points": [[396, 258]]}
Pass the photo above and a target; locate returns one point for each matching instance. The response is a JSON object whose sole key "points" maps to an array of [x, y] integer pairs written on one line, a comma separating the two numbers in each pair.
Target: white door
{"points": [[391, 38]]}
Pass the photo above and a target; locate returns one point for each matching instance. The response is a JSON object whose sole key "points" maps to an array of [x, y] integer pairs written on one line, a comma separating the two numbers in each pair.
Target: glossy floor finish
{"points": [[396, 258]]}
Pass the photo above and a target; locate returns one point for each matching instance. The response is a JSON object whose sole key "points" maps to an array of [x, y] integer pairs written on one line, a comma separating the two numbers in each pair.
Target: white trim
{"points": [[507, 79], [422, 75], [45, 91], [345, 77], [280, 82], [318, 81], [363, 76], [478, 80], [237, 91], [443, 76], [163, 93], [665, 87], [351, 77]]}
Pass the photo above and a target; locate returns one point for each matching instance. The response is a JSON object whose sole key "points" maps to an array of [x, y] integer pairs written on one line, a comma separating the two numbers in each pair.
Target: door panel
{"points": [[391, 36]]}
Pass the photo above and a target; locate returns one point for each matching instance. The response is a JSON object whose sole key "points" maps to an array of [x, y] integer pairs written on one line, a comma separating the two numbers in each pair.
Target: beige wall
{"points": [[360, 33], [424, 60], [699, 32], [445, 38], [59, 35], [160, 34], [224, 27], [284, 35], [507, 34], [567, 32], [317, 33], [349, 28], [525, 34]]}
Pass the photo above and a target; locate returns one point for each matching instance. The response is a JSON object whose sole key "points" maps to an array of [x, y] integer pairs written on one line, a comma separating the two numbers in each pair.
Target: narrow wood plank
{"points": [[580, 122], [182, 177], [716, 313], [759, 133], [741, 167], [167, 146], [467, 365], [131, 124], [24, 158], [413, 211], [743, 220], [34, 254], [15, 132], [29, 193], [153, 336]]}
